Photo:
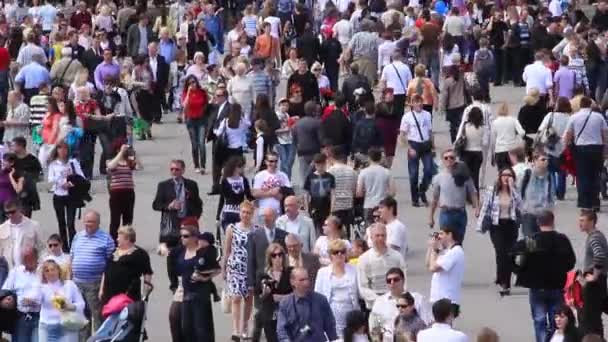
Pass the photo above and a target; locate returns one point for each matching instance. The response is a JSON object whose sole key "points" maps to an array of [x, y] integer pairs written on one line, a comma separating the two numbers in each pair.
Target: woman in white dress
{"points": [[338, 283], [332, 228], [58, 296]]}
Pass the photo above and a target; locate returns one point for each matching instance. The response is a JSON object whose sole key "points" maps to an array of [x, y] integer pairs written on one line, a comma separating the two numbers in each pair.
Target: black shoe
{"points": [[415, 204], [604, 196], [235, 338], [214, 191], [497, 84], [423, 199], [504, 292]]}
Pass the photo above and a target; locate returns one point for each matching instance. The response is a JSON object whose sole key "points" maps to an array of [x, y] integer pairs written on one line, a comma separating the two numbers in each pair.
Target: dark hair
{"points": [[442, 310], [231, 164], [571, 326], [55, 237], [589, 214], [354, 321], [21, 141], [452, 71], [563, 105], [319, 158], [397, 271], [361, 244], [13, 203], [189, 79], [545, 218], [375, 154], [498, 185], [179, 162], [447, 43], [340, 100], [234, 116], [456, 235], [586, 102], [53, 105], [9, 157], [408, 298], [476, 117], [310, 108], [389, 202], [338, 153]]}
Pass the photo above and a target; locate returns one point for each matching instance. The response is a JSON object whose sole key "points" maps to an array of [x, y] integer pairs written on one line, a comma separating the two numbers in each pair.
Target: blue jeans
{"points": [[26, 329], [559, 177], [543, 304], [413, 164], [197, 129], [287, 155], [456, 218]]}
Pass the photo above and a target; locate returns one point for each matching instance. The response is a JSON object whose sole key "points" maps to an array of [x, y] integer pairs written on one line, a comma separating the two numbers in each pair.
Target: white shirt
{"points": [[441, 332], [409, 127], [385, 51], [592, 134], [58, 173], [68, 290], [266, 180], [154, 66], [26, 285], [385, 312], [396, 236], [447, 283], [506, 133], [343, 31], [557, 337], [537, 75], [47, 15], [275, 26], [391, 74], [555, 7], [342, 5]]}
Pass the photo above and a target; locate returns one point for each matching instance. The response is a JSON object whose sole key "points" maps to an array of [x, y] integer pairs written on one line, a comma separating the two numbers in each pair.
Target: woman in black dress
{"points": [[125, 269], [234, 189], [272, 286]]}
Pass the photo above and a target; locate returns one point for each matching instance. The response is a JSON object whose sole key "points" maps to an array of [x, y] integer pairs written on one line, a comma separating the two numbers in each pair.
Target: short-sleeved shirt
{"points": [[408, 125], [90, 253], [447, 283], [397, 76], [346, 181], [266, 180], [319, 186], [375, 180], [592, 134], [448, 193]]}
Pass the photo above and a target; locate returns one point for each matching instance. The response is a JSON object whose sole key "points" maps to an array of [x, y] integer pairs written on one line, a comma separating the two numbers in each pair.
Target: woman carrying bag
{"points": [[469, 143]]}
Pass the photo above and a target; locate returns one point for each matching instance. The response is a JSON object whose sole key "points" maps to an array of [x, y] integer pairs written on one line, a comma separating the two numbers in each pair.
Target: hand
{"points": [[124, 148], [433, 243], [590, 277], [275, 191], [162, 249], [100, 294], [477, 212], [411, 152], [250, 292], [266, 290], [147, 289], [12, 173], [177, 205], [196, 277]]}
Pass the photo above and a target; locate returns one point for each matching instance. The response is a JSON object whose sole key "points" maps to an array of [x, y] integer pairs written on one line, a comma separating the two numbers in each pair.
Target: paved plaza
{"points": [[481, 304]]}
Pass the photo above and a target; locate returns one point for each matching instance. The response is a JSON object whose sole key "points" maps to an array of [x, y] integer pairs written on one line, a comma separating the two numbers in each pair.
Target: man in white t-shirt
{"points": [[267, 184], [396, 75], [396, 233], [445, 258], [275, 24], [441, 330]]}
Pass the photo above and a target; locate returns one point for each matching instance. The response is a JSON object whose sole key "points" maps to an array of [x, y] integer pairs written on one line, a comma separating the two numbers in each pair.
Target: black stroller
{"points": [[125, 326]]}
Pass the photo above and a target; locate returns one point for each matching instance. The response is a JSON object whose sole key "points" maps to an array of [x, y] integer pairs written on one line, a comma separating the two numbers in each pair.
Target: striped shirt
{"points": [[90, 254], [596, 252], [261, 83], [38, 108], [27, 52], [122, 178], [250, 24]]}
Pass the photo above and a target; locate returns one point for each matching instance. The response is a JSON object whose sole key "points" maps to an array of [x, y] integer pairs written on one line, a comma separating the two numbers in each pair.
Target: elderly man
{"points": [[90, 250], [64, 71], [106, 69], [363, 48], [17, 234], [31, 76], [160, 74], [374, 265], [166, 46], [17, 117], [298, 258], [296, 223], [537, 75]]}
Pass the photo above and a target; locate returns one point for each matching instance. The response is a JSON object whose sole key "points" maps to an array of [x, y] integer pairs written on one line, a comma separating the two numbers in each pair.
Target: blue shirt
{"points": [[47, 15], [167, 49], [313, 311], [32, 75], [90, 254], [106, 69]]}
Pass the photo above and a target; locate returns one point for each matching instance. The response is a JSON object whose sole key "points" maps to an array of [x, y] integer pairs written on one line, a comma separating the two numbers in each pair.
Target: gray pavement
{"points": [[481, 305]]}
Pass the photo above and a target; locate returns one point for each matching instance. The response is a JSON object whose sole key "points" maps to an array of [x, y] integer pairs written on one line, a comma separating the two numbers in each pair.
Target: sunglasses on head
{"points": [[393, 280]]}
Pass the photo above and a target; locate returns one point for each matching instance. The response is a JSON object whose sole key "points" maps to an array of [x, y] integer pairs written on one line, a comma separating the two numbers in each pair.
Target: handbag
{"points": [[226, 302], [73, 321], [424, 146], [548, 138], [461, 143], [486, 223]]}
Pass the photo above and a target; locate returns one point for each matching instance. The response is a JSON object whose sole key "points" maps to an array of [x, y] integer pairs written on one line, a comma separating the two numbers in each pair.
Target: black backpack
{"points": [[80, 192]]}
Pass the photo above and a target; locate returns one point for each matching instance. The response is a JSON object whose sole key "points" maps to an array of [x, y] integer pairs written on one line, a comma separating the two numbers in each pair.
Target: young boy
{"points": [[319, 186]]}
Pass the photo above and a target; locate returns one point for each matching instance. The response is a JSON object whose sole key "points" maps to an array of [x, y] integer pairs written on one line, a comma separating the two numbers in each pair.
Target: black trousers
{"points": [[122, 203], [589, 162], [594, 294], [503, 237], [197, 320], [473, 160], [512, 62], [501, 160], [175, 322], [66, 215], [454, 117], [499, 62]]}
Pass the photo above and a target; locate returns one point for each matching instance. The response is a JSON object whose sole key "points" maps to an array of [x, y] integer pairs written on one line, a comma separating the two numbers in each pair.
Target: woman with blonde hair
{"points": [[507, 135], [423, 86], [487, 335], [240, 89], [58, 296], [198, 68], [234, 269], [81, 80], [104, 20]]}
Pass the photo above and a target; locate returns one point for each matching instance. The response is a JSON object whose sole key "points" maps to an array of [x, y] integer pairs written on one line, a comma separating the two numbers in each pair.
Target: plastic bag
{"points": [[73, 321]]}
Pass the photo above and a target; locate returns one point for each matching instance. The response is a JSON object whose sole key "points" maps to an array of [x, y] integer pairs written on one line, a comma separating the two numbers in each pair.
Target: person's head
{"points": [[126, 237], [275, 256], [332, 226], [61, 152], [29, 259], [234, 166], [143, 19], [545, 219], [91, 220], [189, 235], [51, 272], [246, 209], [443, 311], [541, 161], [177, 167], [416, 103], [107, 55], [395, 281], [449, 236], [293, 243], [291, 206], [387, 208], [449, 158], [199, 58], [337, 252], [378, 236], [302, 65], [476, 117], [191, 83], [406, 304], [517, 155], [13, 210], [220, 96], [53, 244], [19, 145], [293, 54], [269, 216], [8, 161], [320, 162], [300, 282], [586, 102], [587, 220], [503, 109], [564, 319], [271, 161], [356, 323], [563, 105], [317, 69], [420, 70], [83, 94], [375, 155], [487, 335]]}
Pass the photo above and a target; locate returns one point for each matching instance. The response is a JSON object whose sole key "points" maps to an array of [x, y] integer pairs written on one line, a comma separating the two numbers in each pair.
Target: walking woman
{"points": [[177, 74], [60, 168], [423, 86], [338, 283], [233, 134], [145, 105], [273, 286], [184, 261], [234, 189], [121, 188], [452, 98], [507, 135], [55, 284], [502, 205], [11, 181], [194, 101], [473, 132], [235, 270], [332, 231]]}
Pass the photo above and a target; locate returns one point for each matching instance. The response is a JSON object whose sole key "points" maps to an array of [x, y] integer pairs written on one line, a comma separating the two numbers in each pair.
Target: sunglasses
{"points": [[402, 306], [393, 280], [51, 245], [449, 157], [185, 236], [276, 255], [340, 252]]}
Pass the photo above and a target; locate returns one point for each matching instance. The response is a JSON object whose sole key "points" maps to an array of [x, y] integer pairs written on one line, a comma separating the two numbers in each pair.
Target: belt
{"points": [[452, 208]]}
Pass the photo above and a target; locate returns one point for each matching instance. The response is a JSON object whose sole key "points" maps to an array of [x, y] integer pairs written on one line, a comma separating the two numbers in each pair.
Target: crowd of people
{"points": [[318, 254]]}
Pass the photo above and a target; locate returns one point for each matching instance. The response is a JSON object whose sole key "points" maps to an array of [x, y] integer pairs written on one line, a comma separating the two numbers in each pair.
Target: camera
{"points": [[200, 265], [306, 330], [268, 282]]}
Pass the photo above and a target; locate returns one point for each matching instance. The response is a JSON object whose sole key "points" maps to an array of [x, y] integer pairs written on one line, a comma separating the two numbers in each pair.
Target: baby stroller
{"points": [[125, 326]]}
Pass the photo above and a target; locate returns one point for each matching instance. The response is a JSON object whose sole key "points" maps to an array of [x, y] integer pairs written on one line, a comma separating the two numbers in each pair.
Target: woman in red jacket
{"points": [[195, 100]]}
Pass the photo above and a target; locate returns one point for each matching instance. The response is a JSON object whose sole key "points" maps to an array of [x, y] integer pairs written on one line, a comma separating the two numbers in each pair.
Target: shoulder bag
{"points": [[461, 143], [59, 81]]}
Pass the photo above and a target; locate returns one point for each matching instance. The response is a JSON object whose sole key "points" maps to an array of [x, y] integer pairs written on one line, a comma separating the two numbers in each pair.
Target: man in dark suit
{"points": [[257, 243], [77, 49], [297, 258], [160, 71], [92, 57], [134, 39], [176, 198], [217, 111]]}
